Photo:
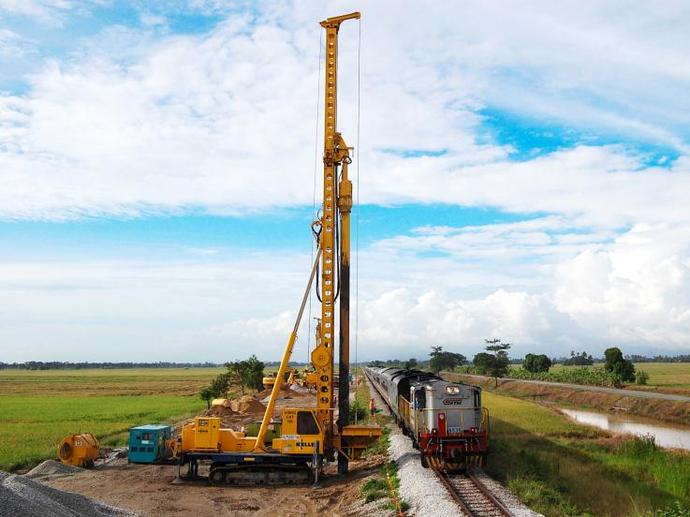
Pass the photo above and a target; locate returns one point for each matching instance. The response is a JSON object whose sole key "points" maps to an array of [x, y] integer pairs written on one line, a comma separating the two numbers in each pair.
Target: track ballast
{"points": [[472, 496]]}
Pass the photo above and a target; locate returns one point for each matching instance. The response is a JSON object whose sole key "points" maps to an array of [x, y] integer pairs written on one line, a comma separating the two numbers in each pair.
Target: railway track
{"points": [[472, 496]]}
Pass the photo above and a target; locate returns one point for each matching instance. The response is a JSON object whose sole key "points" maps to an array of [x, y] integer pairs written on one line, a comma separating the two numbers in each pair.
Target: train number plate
{"points": [[454, 430]]}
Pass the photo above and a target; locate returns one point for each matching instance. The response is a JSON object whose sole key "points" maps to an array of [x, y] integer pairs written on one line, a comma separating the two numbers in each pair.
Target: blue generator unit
{"points": [[147, 443]]}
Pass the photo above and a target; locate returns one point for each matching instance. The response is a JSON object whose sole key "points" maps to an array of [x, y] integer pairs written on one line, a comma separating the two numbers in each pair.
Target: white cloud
{"points": [[619, 291], [50, 12], [137, 121]]}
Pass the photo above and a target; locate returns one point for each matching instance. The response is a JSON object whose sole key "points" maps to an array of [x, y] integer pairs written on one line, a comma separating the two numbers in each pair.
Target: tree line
{"points": [[495, 362], [83, 365]]}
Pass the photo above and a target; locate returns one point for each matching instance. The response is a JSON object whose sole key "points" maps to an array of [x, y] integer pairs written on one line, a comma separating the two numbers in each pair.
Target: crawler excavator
{"points": [[304, 437]]}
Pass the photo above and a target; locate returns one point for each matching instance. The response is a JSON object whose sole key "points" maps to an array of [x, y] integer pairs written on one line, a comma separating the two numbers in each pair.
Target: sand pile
{"points": [[24, 497]]}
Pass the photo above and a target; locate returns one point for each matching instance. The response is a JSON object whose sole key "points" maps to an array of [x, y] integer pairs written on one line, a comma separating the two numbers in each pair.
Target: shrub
{"points": [[357, 412], [641, 377], [374, 488], [616, 364], [638, 446], [572, 375], [536, 363]]}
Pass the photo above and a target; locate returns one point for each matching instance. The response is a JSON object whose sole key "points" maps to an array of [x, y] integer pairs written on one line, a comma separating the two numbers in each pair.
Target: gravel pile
{"points": [[23, 497], [51, 469]]}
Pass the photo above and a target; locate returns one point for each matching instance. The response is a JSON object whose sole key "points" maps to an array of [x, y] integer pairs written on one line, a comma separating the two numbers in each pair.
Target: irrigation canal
{"points": [[664, 435]]}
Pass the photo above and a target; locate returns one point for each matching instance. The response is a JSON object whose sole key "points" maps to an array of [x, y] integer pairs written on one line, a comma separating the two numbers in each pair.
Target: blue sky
{"points": [[522, 174]]}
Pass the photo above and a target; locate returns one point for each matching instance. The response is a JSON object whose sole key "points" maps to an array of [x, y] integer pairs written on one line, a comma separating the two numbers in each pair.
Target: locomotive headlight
{"points": [[452, 390]]}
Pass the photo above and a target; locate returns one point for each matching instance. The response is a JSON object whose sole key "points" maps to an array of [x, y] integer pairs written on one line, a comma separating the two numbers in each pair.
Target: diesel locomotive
{"points": [[445, 420]]}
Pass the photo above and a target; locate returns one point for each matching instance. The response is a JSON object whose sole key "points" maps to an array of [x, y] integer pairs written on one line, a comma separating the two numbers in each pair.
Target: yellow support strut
{"points": [[259, 445]]}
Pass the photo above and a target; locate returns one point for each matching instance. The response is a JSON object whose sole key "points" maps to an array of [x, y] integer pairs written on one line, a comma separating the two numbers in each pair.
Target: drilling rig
{"points": [[304, 437]]}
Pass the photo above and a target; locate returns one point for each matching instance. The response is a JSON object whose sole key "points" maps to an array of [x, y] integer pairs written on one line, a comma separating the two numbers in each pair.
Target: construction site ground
{"points": [[147, 489]]}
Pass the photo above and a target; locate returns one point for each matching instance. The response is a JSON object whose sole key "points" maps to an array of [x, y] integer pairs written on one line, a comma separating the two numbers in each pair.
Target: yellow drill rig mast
{"points": [[337, 201], [303, 437]]}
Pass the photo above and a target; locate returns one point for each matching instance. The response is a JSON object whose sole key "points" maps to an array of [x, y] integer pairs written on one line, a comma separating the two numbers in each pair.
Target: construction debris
{"points": [[21, 496]]}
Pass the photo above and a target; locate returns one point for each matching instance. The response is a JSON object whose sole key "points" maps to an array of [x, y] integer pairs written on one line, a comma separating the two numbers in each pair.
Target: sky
{"points": [[522, 172]]}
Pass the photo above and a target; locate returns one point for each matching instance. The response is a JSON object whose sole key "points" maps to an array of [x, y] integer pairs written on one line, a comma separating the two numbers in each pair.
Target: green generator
{"points": [[147, 443]]}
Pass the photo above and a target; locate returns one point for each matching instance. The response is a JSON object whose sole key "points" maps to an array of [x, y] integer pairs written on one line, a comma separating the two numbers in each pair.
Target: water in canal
{"points": [[664, 436]]}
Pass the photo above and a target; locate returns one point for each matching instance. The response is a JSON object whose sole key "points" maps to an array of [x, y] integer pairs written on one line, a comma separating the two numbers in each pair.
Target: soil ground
{"points": [[147, 489]]}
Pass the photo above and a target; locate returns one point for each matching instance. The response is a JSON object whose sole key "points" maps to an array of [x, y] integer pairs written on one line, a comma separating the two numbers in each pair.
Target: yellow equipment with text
{"points": [[79, 450]]}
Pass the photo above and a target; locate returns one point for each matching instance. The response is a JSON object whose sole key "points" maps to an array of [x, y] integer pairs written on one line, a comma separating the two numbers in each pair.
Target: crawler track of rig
{"points": [[472, 496]]}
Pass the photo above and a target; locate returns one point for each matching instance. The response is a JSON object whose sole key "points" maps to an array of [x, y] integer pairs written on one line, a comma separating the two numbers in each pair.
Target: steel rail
{"points": [[454, 493], [462, 498]]}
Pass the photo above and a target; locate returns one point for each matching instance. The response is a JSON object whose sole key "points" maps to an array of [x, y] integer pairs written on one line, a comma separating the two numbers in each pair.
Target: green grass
{"points": [[672, 377], [39, 408], [126, 381], [562, 468]]}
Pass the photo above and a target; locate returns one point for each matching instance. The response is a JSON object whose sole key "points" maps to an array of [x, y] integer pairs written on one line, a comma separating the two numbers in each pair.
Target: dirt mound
{"points": [[247, 405], [264, 394], [220, 411], [53, 468], [293, 391], [24, 497]]}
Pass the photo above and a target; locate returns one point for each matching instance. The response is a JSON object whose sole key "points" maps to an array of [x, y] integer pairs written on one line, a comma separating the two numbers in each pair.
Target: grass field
{"points": [[562, 468], [665, 377], [38, 408]]}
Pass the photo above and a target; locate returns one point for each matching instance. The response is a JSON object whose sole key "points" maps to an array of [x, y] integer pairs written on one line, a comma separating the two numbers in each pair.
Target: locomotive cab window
{"points": [[419, 399], [477, 402], [306, 424]]}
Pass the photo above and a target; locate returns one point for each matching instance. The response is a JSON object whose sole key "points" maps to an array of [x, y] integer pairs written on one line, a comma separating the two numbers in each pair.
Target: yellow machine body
{"points": [[300, 434], [354, 439], [289, 379], [79, 450], [205, 434]]}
